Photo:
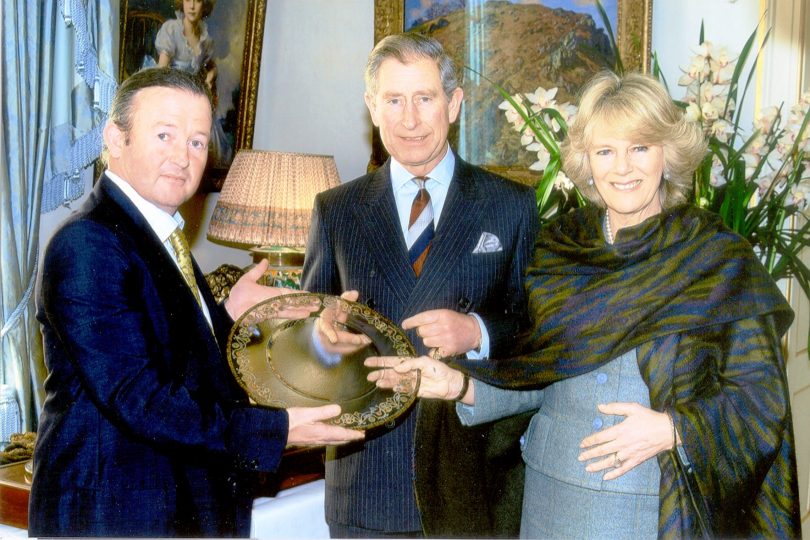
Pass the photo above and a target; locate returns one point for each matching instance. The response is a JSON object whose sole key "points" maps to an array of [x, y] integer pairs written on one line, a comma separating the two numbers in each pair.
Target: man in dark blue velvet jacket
{"points": [[144, 430]]}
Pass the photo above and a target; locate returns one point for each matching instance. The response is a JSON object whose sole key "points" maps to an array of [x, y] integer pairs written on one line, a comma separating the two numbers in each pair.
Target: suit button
{"points": [[371, 303], [601, 378], [597, 423], [372, 272], [464, 304]]}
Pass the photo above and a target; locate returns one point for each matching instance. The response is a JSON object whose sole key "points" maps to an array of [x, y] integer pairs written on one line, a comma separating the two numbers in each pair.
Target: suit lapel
{"points": [[456, 233], [176, 294], [376, 216]]}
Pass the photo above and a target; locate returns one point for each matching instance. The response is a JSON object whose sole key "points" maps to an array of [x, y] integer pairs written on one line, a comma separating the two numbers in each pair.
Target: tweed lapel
{"points": [[376, 216], [456, 234]]}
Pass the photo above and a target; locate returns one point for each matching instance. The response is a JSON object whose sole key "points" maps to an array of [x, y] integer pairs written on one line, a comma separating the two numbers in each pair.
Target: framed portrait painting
{"points": [[225, 50], [520, 45]]}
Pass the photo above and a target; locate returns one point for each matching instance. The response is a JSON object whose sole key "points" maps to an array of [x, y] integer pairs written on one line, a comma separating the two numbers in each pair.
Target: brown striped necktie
{"points": [[420, 226], [181, 250]]}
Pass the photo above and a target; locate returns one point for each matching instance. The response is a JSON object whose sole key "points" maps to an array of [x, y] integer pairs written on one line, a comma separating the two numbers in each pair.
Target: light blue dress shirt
{"points": [[438, 184]]}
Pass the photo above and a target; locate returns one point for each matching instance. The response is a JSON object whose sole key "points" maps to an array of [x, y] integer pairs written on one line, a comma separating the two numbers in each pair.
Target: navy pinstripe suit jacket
{"points": [[356, 243]]}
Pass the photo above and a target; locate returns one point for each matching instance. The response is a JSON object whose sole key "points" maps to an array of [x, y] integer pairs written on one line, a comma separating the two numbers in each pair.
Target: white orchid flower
{"points": [[543, 157], [692, 113], [563, 183], [765, 120], [723, 75], [722, 129], [799, 195], [542, 97], [709, 112], [568, 112], [722, 57], [716, 176], [697, 70]]}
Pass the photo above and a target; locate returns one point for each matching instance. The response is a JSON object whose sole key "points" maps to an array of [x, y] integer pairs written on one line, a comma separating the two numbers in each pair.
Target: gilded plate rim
{"points": [[378, 414]]}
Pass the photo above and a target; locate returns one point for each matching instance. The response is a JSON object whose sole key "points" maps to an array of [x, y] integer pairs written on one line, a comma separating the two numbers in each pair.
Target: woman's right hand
{"points": [[437, 379]]}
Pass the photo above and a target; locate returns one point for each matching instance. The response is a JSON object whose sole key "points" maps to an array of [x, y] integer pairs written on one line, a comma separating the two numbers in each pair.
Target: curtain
{"points": [[53, 98]]}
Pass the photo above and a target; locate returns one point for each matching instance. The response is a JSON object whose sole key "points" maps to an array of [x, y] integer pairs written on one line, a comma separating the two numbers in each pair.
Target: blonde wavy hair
{"points": [[636, 107]]}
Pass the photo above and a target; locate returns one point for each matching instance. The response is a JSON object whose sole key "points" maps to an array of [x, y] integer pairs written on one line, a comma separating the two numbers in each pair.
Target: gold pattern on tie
{"points": [[178, 241]]}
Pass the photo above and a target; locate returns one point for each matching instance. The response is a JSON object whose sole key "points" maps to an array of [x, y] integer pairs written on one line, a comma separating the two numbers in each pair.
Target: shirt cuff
{"points": [[483, 350], [328, 358]]}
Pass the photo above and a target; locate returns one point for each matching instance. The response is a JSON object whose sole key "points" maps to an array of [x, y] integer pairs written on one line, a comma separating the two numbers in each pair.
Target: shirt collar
{"points": [[441, 173], [162, 223]]}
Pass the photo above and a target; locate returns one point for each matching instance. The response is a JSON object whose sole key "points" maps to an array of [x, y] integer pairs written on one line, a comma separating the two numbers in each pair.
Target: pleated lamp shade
{"points": [[267, 198]]}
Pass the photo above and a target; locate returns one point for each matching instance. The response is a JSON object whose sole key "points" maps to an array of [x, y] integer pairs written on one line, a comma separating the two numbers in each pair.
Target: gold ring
{"points": [[616, 461], [436, 354]]}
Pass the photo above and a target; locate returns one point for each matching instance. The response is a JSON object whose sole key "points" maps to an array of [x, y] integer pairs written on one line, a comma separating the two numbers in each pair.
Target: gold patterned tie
{"points": [[183, 253]]}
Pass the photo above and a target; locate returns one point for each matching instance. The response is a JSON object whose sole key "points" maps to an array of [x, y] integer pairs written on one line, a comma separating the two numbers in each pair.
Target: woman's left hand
{"points": [[644, 433]]}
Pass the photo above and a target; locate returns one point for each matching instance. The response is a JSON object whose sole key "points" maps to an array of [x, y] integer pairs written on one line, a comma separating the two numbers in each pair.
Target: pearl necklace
{"points": [[608, 232]]}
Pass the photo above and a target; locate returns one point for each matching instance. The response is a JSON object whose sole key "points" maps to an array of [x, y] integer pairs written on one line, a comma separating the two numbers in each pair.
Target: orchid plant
{"points": [[757, 180]]}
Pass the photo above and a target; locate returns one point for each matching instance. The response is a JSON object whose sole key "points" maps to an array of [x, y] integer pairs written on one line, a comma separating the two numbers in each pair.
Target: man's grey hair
{"points": [[407, 48]]}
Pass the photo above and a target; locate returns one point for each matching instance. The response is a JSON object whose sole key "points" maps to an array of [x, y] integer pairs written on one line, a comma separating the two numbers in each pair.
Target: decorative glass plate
{"points": [[280, 355]]}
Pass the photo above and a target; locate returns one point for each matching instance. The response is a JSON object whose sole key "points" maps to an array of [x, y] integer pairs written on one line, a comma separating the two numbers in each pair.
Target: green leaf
{"points": [[618, 67], [735, 77], [659, 74]]}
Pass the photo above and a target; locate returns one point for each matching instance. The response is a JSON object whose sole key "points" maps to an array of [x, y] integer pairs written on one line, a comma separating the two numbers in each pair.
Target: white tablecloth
{"points": [[293, 513], [7, 531]]}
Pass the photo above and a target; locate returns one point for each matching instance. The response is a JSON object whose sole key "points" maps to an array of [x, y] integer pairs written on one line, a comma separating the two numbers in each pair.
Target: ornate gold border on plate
{"points": [[261, 380]]}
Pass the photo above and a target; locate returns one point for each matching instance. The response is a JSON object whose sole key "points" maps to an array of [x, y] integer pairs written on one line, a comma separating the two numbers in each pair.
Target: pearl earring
{"points": [[590, 181]]}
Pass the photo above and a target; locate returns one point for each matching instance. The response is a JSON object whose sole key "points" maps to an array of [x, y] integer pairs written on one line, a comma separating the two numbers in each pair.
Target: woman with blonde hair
{"points": [[653, 361]]}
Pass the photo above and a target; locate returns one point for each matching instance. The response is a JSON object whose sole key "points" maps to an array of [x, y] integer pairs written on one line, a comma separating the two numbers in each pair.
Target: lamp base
{"points": [[286, 265]]}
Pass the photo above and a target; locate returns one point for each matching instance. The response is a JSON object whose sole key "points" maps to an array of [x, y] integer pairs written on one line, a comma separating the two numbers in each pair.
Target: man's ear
{"points": [[454, 107], [114, 139], [372, 108]]}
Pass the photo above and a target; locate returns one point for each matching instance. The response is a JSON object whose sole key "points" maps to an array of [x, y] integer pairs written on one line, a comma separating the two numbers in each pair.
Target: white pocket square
{"points": [[488, 243]]}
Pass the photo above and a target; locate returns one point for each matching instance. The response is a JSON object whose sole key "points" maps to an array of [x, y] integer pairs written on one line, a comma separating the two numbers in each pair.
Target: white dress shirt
{"points": [[161, 223]]}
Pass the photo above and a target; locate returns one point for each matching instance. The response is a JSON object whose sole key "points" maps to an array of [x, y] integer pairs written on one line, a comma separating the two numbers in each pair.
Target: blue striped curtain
{"points": [[53, 97]]}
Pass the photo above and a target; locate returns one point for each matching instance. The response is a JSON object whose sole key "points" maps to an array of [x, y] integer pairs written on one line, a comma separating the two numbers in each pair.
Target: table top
{"points": [[14, 492]]}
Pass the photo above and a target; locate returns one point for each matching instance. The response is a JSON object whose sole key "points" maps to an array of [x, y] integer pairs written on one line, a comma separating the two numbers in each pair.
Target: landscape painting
{"points": [[521, 45]]}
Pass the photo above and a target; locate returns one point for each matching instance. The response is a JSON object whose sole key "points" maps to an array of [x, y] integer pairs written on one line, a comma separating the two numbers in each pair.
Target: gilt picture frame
{"points": [[233, 50], [489, 35]]}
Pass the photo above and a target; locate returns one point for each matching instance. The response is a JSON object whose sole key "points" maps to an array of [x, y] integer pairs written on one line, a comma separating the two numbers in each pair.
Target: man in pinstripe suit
{"points": [[426, 475]]}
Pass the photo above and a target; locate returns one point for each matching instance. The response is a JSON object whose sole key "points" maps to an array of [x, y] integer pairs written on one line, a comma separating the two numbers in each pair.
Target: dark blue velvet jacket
{"points": [[144, 431]]}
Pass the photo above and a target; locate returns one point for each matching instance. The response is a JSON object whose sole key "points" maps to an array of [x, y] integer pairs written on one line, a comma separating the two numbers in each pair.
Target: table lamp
{"points": [[266, 202]]}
